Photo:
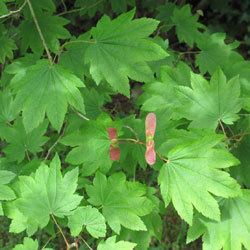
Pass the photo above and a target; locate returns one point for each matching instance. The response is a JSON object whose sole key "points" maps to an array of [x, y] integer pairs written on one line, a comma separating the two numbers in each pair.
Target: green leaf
{"points": [[6, 176], [90, 218], [187, 25], [28, 244], [121, 6], [6, 193], [193, 174], [111, 244], [87, 7], [165, 14], [123, 202], [215, 53], [19, 222], [8, 111], [208, 104], [52, 29], [86, 141], [161, 95], [46, 89], [232, 232], [48, 193], [7, 45], [120, 48], [143, 239], [242, 172], [3, 8], [20, 142]]}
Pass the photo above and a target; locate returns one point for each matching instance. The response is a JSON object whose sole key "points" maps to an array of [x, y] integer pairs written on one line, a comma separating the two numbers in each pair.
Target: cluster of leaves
{"points": [[56, 173]]}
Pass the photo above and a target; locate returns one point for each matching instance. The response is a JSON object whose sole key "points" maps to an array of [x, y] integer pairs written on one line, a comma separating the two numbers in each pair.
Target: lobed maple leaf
{"points": [[123, 202], [194, 173], [46, 89], [232, 232], [47, 193]]}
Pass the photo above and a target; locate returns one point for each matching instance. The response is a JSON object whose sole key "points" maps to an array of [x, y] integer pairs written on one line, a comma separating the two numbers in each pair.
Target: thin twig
{"points": [[60, 229], [27, 154], [56, 142], [223, 129], [82, 116], [142, 143], [48, 241], [14, 11], [40, 32], [132, 130], [86, 243], [64, 5], [80, 9]]}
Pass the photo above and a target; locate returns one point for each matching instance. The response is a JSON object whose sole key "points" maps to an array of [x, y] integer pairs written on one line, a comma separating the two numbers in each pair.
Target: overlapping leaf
{"points": [[46, 89], [7, 45], [232, 232], [21, 142], [216, 53], [52, 29], [193, 173], [6, 193], [111, 244], [209, 104], [90, 218], [187, 25], [120, 48], [90, 144], [123, 202], [28, 244], [46, 194]]}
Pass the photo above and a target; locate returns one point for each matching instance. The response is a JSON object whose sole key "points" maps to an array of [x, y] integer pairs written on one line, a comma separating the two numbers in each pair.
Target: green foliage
{"points": [[28, 244], [123, 202], [89, 217], [110, 244], [120, 49], [184, 167], [7, 45], [77, 80], [47, 193], [20, 142], [58, 89], [187, 27], [52, 27], [208, 104], [231, 232]]}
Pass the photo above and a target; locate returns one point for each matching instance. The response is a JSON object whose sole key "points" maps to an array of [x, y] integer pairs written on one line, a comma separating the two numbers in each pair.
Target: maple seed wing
{"points": [[150, 124], [112, 133], [114, 153], [150, 155]]}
